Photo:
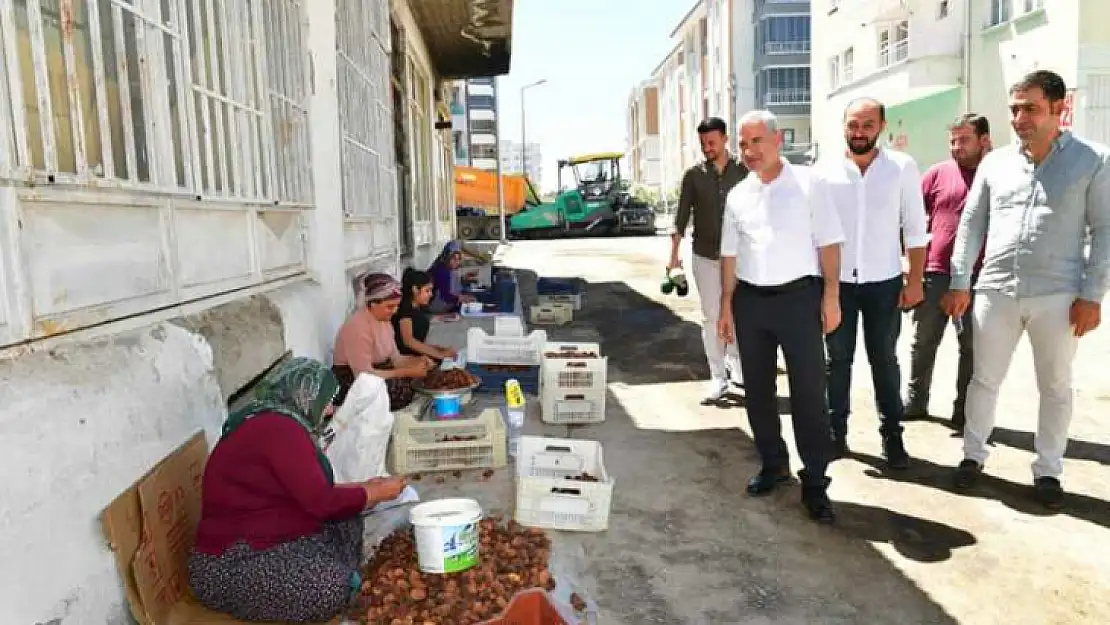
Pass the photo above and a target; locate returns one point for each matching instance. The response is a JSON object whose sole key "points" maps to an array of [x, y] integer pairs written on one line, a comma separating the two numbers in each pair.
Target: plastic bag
{"points": [[359, 433]]}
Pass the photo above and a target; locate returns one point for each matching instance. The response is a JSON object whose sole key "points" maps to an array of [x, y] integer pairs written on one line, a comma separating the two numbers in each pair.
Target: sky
{"points": [[592, 53]]}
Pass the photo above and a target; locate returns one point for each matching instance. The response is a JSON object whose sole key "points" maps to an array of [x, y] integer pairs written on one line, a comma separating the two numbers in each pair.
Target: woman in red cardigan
{"points": [[278, 539]]}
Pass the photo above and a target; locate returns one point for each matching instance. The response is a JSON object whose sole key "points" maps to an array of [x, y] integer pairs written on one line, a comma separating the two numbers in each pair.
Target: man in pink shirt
{"points": [[944, 188]]}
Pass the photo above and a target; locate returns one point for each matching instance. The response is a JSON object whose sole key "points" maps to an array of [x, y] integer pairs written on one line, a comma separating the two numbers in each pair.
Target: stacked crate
{"points": [[562, 484], [573, 382], [422, 444], [496, 359]]}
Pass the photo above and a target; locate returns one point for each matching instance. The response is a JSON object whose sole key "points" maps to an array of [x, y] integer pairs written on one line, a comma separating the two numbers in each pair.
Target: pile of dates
{"points": [[449, 380], [571, 354], [512, 558]]}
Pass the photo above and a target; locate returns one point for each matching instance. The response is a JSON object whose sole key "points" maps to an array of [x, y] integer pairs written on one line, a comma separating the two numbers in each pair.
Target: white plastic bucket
{"points": [[446, 534]]}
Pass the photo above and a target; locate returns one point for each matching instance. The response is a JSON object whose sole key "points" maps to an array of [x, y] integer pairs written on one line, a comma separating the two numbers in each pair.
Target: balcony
{"points": [[772, 48], [786, 97]]}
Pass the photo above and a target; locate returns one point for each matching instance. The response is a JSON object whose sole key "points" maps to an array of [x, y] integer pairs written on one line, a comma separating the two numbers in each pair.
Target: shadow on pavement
{"points": [[685, 543], [1020, 439], [1018, 497]]}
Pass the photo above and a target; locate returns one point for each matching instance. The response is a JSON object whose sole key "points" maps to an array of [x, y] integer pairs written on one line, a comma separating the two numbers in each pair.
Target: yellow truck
{"points": [[476, 201]]}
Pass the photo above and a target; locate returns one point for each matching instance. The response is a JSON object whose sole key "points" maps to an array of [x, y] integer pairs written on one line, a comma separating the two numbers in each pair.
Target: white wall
{"points": [[743, 58], [935, 46], [1069, 37], [84, 414]]}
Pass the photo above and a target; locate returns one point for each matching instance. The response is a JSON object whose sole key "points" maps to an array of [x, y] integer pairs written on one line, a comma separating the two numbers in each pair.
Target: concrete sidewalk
{"points": [[686, 545]]}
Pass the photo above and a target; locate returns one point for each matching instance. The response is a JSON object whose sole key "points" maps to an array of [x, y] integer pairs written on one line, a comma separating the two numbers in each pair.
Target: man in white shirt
{"points": [[780, 264], [877, 194]]}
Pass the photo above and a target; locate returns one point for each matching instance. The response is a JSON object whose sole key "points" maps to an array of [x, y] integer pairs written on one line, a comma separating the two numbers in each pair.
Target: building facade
{"points": [[515, 159], [782, 73], [642, 153], [474, 122], [908, 54], [187, 192], [675, 125], [1070, 37]]}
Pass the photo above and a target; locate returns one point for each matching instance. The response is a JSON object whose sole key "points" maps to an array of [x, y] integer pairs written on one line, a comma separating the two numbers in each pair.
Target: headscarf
{"points": [[379, 287], [449, 248], [301, 389]]}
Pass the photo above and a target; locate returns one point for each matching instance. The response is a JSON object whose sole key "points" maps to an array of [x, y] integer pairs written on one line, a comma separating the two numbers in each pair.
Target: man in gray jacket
{"points": [[1034, 204]]}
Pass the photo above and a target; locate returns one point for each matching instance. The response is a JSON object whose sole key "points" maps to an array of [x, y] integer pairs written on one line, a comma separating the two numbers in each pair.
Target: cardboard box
{"points": [[151, 528]]}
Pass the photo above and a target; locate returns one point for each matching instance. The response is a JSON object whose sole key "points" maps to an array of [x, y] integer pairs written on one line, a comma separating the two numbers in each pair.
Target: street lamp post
{"points": [[524, 127]]}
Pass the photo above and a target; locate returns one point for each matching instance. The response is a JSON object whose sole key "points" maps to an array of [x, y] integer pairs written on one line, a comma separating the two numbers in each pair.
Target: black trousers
{"points": [[787, 316]]}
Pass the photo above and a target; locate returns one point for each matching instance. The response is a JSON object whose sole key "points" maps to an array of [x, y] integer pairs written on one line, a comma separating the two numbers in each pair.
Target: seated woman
{"points": [[442, 272], [278, 539], [366, 344], [412, 322]]}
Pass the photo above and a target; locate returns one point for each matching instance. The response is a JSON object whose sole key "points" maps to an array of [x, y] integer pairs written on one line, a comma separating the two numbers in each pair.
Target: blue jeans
{"points": [[877, 304]]}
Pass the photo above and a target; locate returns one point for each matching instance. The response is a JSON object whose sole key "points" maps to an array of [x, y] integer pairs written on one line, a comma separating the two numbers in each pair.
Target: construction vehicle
{"points": [[476, 205], [599, 203]]}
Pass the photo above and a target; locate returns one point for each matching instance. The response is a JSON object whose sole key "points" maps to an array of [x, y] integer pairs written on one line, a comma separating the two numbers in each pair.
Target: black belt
{"points": [[779, 289]]}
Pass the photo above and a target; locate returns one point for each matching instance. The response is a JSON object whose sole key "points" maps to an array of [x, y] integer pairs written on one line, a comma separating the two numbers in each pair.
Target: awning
{"points": [[466, 38]]}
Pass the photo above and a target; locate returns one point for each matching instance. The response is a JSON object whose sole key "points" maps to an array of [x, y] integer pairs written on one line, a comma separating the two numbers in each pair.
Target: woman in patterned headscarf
{"points": [[366, 344], [278, 539]]}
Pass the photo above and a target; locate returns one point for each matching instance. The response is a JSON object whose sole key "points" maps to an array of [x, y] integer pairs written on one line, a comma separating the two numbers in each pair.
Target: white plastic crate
{"points": [[508, 325], [546, 497], [573, 375], [573, 407], [553, 314], [425, 445], [481, 348], [574, 300]]}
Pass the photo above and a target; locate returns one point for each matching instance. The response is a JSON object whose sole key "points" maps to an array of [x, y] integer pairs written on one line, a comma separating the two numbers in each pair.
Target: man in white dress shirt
{"points": [[780, 264], [877, 194]]}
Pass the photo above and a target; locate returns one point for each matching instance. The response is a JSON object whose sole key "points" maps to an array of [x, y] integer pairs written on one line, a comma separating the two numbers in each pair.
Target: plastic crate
{"points": [[508, 325], [546, 497], [573, 375], [420, 445], [494, 377], [504, 350], [572, 408], [573, 300], [553, 314]]}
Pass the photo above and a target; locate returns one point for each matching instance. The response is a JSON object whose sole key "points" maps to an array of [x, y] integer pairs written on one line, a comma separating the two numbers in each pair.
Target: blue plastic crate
{"points": [[494, 377], [558, 286]]}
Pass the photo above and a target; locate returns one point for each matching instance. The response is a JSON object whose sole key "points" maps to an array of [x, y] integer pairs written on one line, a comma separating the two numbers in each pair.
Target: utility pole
{"points": [[524, 126]]}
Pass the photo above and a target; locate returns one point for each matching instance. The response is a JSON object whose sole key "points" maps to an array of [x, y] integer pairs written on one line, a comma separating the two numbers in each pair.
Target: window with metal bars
{"points": [[203, 97]]}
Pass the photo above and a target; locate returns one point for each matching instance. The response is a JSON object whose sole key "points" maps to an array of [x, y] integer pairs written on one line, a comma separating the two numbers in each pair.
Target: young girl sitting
{"points": [[412, 321]]}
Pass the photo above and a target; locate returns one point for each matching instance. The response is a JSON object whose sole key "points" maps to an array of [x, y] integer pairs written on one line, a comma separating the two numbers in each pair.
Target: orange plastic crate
{"points": [[529, 607]]}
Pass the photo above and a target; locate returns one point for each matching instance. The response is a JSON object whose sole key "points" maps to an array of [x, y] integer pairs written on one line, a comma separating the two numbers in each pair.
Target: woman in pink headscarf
{"points": [[366, 344]]}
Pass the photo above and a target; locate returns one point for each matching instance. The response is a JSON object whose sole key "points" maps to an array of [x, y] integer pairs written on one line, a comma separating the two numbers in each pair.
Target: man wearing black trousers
{"points": [[780, 266]]}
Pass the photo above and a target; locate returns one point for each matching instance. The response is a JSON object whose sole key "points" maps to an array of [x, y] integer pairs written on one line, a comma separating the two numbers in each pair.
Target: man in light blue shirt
{"points": [[1036, 203]]}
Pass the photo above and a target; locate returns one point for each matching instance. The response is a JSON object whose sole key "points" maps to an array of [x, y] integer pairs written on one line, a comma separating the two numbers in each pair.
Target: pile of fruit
{"points": [[512, 558], [570, 354], [449, 380]]}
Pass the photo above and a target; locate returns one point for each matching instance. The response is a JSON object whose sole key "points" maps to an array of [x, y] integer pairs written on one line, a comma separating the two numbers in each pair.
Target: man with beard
{"points": [[1036, 203], [704, 189], [944, 188], [780, 266], [877, 194]]}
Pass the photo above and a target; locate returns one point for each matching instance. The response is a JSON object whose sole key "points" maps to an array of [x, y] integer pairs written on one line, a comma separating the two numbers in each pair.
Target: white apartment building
{"points": [[1070, 37], [642, 154], [676, 124], [908, 54], [474, 122], [188, 189], [515, 159], [733, 56]]}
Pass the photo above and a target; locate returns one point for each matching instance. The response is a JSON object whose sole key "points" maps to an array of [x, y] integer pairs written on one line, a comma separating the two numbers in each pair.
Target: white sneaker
{"points": [[715, 389]]}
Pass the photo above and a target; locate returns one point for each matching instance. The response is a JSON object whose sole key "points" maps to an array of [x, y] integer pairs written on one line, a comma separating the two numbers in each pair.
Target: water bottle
{"points": [[514, 411]]}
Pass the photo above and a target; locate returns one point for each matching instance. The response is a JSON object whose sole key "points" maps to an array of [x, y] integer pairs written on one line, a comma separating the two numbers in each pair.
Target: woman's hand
{"points": [[382, 489], [447, 352]]}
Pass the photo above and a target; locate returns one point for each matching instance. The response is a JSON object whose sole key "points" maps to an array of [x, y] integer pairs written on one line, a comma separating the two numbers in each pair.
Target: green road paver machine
{"points": [[599, 203]]}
